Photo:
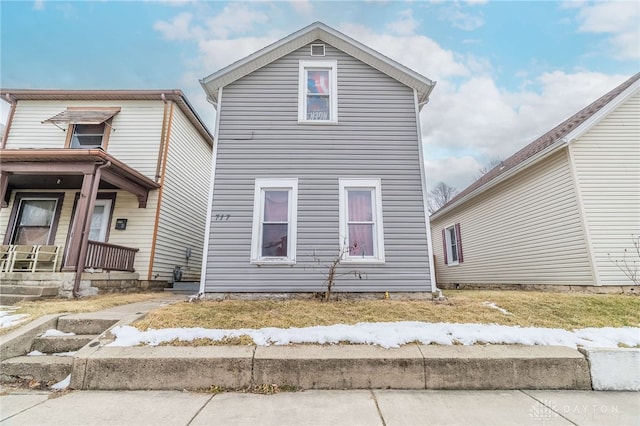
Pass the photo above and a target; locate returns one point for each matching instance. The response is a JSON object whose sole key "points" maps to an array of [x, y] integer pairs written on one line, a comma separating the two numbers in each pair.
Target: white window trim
{"points": [[302, 90], [447, 237], [291, 185], [375, 184]]}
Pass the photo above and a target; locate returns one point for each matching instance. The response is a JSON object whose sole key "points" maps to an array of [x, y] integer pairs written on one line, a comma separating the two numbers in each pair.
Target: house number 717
{"points": [[222, 217]]}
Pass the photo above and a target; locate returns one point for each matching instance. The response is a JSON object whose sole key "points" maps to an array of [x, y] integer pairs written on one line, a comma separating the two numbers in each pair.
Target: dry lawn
{"points": [[556, 310], [39, 308]]}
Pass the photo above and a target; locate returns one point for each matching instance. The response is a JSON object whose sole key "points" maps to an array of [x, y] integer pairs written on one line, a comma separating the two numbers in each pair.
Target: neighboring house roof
{"points": [[317, 31], [559, 136], [112, 95]]}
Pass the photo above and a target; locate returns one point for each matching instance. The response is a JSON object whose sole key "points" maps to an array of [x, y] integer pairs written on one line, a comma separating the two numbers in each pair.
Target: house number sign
{"points": [[222, 217]]}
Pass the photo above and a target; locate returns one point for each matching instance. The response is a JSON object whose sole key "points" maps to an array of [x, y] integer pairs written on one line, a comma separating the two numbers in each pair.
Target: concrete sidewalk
{"points": [[354, 407]]}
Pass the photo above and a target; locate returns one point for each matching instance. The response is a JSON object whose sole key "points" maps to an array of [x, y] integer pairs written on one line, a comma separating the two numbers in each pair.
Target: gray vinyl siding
{"points": [[525, 230], [260, 137], [607, 165], [183, 209]]}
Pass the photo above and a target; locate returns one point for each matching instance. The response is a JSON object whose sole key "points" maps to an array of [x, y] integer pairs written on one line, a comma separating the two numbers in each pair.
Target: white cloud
{"points": [[476, 118], [417, 52], [38, 5], [179, 28], [457, 172], [406, 24], [235, 19], [463, 20], [619, 19], [302, 7]]}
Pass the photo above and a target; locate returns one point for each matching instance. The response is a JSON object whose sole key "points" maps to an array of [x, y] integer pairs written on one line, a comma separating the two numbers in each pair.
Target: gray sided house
{"points": [[559, 212], [318, 154]]}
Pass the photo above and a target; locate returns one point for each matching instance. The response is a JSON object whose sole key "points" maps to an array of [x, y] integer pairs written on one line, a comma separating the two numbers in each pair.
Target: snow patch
{"points": [[494, 306], [63, 384], [392, 335], [35, 353], [9, 320], [56, 333]]}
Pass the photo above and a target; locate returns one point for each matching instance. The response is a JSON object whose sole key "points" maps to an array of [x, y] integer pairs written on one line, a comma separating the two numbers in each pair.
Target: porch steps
{"points": [[11, 294], [57, 361], [52, 345], [41, 368]]}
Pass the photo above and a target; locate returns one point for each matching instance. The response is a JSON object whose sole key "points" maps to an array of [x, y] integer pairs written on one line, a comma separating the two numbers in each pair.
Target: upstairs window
{"points": [[452, 245], [87, 136], [318, 92], [86, 127], [274, 221], [361, 228]]}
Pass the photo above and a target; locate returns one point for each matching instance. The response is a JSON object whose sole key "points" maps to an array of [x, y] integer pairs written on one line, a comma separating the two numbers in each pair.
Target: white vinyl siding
{"points": [[285, 221], [183, 211], [353, 249], [525, 230], [260, 137], [607, 167], [134, 137]]}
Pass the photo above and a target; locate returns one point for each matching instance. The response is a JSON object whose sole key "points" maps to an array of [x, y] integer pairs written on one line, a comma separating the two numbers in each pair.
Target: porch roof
{"points": [[44, 162]]}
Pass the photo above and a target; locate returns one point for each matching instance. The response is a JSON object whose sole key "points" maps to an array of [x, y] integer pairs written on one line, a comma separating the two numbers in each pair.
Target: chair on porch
{"points": [[5, 257], [21, 258], [47, 255]]}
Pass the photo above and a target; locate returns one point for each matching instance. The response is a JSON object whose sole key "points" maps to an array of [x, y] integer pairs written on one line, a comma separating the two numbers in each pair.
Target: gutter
{"points": [[556, 146]]}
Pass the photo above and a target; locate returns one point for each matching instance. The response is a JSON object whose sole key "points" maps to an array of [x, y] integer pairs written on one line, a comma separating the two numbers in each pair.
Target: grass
{"points": [[40, 308], [555, 310]]}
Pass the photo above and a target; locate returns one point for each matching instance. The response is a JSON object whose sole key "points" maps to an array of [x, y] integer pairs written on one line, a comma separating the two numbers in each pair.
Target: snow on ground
{"points": [[494, 306], [8, 320], [35, 353], [62, 384], [393, 334], [52, 332]]}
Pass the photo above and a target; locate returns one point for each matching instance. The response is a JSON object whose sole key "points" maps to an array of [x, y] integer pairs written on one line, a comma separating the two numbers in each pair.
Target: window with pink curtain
{"points": [[360, 222], [275, 223]]}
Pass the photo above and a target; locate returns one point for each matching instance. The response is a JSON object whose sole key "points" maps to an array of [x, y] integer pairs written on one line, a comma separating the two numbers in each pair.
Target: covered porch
{"points": [[39, 180]]}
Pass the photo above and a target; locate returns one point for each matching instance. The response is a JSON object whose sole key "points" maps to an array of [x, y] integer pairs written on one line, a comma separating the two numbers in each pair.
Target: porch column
{"points": [[86, 201], [4, 184]]}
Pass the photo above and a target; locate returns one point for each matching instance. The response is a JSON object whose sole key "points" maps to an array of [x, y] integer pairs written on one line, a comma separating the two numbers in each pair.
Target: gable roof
{"points": [[112, 95], [317, 31], [571, 128]]}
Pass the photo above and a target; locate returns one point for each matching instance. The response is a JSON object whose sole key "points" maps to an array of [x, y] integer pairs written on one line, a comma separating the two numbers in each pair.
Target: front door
{"points": [[100, 221]]}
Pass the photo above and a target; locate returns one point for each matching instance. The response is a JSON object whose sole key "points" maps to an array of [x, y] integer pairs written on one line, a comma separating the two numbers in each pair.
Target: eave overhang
{"points": [[317, 31]]}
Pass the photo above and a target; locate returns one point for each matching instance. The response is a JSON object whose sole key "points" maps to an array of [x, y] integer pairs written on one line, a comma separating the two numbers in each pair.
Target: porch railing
{"points": [[110, 257]]}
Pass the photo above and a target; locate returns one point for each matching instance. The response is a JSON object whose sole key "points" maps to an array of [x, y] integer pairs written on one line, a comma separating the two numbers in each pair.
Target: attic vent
{"points": [[317, 50]]}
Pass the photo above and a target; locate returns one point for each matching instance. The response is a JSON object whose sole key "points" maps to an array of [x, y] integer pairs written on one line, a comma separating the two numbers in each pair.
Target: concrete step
{"points": [[331, 367], [12, 299], [44, 368], [50, 345], [80, 325], [29, 290]]}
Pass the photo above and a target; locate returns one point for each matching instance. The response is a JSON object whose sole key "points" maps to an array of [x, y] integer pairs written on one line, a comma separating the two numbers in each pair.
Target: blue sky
{"points": [[506, 71]]}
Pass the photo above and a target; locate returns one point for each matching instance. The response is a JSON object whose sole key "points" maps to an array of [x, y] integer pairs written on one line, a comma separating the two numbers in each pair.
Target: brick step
{"points": [[44, 368], [81, 326], [29, 290], [50, 345]]}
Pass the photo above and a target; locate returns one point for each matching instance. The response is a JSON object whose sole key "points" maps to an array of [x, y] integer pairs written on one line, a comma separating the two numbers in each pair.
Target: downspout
{"points": [[160, 174], [12, 110], [86, 228], [163, 134]]}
